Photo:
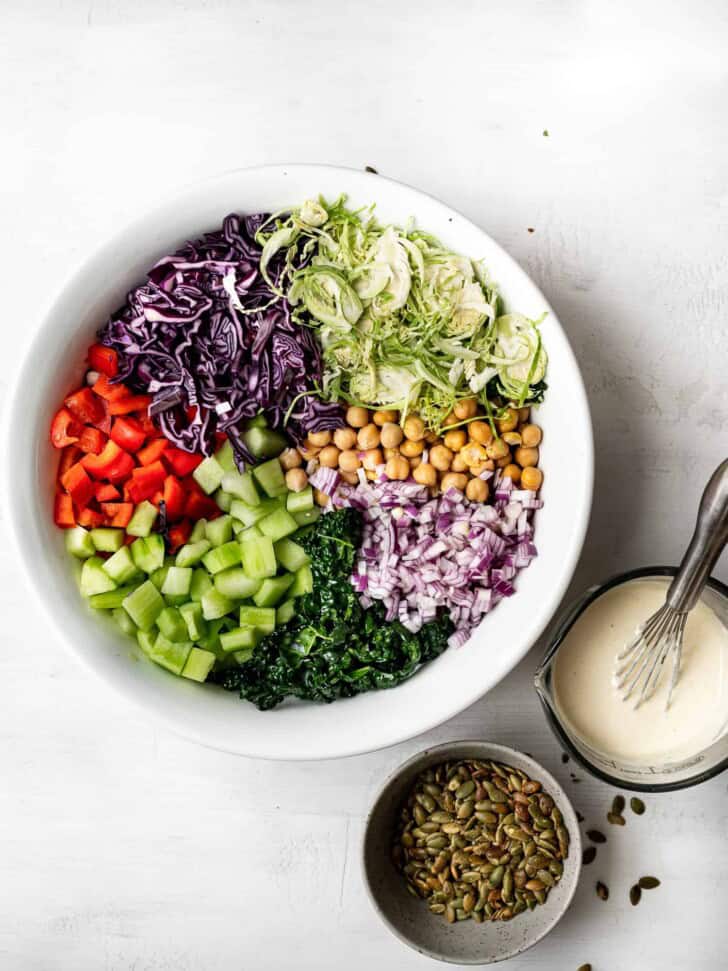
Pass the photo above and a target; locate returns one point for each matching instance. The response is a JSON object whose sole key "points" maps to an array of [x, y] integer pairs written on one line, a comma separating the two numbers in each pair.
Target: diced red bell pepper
{"points": [[92, 440], [128, 434], [148, 425], [90, 518], [201, 507], [121, 469], [111, 392], [181, 463], [103, 359], [145, 481], [157, 498], [174, 498], [179, 534], [86, 406], [105, 425], [78, 485], [113, 463], [118, 513], [65, 429], [105, 492], [153, 451], [70, 455], [125, 406], [63, 511]]}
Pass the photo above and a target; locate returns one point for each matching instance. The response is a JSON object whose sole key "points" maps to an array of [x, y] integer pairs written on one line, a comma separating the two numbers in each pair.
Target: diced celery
{"points": [[300, 501], [240, 637], [94, 578], [303, 582], [236, 584], [176, 599], [290, 555], [241, 486], [262, 618], [111, 599], [285, 612], [172, 624], [278, 524], [248, 532], [124, 621], [248, 515], [270, 477], [144, 605], [146, 639], [211, 641], [171, 655], [273, 590], [208, 475], [259, 559], [142, 520], [225, 456], [242, 657], [307, 517], [263, 442], [148, 553], [192, 553], [121, 567], [107, 540], [239, 527], [194, 621], [198, 665], [200, 584], [222, 557], [220, 530], [198, 531], [215, 605], [79, 543], [159, 576], [177, 582], [223, 499]]}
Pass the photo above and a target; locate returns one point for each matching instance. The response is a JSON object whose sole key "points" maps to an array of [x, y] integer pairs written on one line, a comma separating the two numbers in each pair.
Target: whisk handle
{"points": [[709, 539]]}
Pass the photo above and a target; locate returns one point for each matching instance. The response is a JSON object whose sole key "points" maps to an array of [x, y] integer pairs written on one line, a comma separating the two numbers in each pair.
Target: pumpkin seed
{"points": [[602, 890], [437, 908], [584, 967], [635, 895], [596, 836], [618, 804], [648, 883], [465, 790], [616, 819], [588, 855], [637, 806]]}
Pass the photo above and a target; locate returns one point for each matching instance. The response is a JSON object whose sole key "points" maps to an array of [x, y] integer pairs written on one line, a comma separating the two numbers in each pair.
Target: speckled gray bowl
{"points": [[409, 919]]}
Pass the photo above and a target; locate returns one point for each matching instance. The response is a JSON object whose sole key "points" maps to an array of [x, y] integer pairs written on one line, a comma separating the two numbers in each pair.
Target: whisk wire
{"points": [[644, 657]]}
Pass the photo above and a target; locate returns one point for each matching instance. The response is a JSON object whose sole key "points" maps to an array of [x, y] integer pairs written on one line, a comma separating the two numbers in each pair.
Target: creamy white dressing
{"points": [[591, 707]]}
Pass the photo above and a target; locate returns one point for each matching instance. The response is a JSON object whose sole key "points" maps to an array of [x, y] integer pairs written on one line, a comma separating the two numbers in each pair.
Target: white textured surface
{"points": [[122, 847]]}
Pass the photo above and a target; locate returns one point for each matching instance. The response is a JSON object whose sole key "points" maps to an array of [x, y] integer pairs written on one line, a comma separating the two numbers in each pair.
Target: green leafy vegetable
{"points": [[333, 648]]}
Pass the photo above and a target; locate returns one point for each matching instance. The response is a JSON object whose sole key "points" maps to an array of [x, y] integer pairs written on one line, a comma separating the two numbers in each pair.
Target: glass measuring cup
{"points": [[640, 777]]}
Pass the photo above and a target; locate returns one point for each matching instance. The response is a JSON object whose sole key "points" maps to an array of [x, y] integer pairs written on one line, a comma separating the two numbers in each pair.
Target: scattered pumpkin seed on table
{"points": [[637, 806], [635, 895], [596, 836], [479, 840], [648, 883], [602, 890], [589, 855]]}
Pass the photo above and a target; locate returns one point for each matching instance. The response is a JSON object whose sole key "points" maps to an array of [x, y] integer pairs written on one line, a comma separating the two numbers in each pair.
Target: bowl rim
{"points": [[562, 624], [503, 753], [474, 690]]}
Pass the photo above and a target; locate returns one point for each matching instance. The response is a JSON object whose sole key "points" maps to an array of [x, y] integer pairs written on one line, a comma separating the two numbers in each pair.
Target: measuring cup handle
{"points": [[709, 538]]}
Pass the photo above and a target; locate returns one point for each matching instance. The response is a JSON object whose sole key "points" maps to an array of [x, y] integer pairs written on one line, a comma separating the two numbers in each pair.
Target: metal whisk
{"points": [[640, 664]]}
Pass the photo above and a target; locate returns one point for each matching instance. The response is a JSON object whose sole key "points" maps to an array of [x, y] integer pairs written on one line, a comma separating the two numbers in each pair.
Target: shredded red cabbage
{"points": [[207, 331]]}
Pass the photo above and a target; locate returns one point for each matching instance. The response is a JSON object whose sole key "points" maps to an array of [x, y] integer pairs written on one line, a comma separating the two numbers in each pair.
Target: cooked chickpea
{"points": [[450, 419], [497, 449], [391, 435], [425, 474], [480, 431], [414, 428], [531, 478], [430, 437], [511, 438], [320, 498], [441, 457], [391, 453], [410, 449], [349, 461], [351, 477], [329, 457], [466, 408], [357, 417], [506, 460], [477, 490], [526, 457], [319, 439], [531, 435], [296, 480], [513, 472], [381, 418], [344, 438], [458, 463], [397, 468], [372, 458], [309, 450], [488, 465], [455, 439], [473, 454], [509, 420], [368, 437], [414, 461], [454, 480], [290, 458], [524, 413]]}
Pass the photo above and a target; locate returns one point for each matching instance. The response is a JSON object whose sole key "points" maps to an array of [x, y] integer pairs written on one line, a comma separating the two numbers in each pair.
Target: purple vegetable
{"points": [[206, 330]]}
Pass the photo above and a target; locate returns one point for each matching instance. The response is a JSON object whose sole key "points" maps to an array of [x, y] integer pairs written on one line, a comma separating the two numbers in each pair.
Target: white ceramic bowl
{"points": [[443, 688]]}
